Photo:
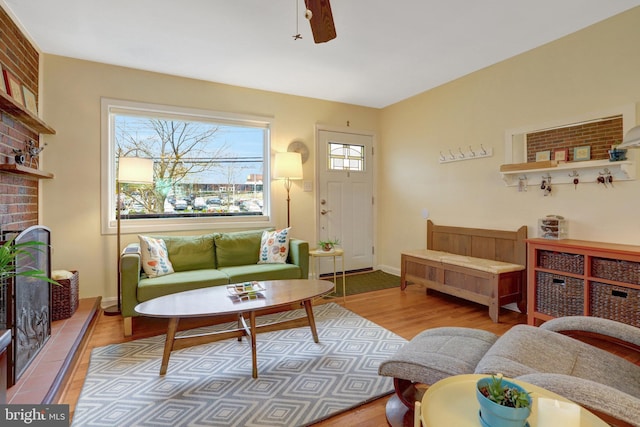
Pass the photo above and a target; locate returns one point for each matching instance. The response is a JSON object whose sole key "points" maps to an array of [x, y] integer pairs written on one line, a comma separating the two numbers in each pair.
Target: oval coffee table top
{"points": [[217, 300]]}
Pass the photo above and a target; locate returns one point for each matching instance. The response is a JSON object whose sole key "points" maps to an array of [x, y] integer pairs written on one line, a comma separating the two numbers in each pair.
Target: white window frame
{"points": [[110, 107]]}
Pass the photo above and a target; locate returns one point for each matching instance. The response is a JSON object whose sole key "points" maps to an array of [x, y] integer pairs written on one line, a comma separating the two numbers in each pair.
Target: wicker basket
{"points": [[615, 303], [64, 297], [614, 269], [560, 261], [559, 295]]}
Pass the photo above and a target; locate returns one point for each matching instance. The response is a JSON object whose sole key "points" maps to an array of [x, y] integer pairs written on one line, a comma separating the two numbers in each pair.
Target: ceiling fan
{"points": [[321, 19]]}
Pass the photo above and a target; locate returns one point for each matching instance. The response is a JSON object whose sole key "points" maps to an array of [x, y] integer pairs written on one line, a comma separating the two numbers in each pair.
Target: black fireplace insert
{"points": [[25, 302]]}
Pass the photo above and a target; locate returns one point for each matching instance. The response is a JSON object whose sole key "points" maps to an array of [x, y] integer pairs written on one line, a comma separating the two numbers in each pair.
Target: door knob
{"points": [[324, 211]]}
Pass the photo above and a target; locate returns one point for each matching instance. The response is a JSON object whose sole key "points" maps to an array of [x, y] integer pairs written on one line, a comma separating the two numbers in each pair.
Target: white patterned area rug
{"points": [[299, 382]]}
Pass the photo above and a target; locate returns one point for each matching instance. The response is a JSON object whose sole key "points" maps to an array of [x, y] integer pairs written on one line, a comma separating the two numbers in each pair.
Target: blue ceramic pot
{"points": [[617, 155], [495, 415]]}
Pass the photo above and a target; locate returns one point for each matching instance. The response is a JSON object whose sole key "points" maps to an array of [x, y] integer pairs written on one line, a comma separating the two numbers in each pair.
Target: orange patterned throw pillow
{"points": [[155, 259], [274, 248]]}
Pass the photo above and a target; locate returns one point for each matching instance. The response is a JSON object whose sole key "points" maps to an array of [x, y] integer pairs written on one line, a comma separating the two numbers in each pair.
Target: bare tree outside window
{"points": [[200, 167]]}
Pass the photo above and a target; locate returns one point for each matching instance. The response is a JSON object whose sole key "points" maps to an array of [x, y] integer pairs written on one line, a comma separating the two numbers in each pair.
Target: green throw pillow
{"points": [[238, 248], [190, 252]]}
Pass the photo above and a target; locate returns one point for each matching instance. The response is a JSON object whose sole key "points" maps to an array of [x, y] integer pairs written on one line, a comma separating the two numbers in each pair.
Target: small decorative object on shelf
{"points": [[30, 101], [617, 154], [561, 155], [502, 402], [582, 153], [14, 88], [553, 227], [328, 245], [542, 156], [19, 156], [34, 151]]}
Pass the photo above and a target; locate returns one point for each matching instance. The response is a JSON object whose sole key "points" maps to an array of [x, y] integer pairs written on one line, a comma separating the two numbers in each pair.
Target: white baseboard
{"points": [[389, 269]]}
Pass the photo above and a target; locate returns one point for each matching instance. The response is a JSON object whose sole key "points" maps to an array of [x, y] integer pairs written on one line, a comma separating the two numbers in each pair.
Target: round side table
{"points": [[452, 402], [316, 254]]}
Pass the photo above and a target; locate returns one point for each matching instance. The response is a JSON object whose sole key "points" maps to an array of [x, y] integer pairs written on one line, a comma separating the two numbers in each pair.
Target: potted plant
{"points": [[503, 403], [10, 251], [328, 245]]}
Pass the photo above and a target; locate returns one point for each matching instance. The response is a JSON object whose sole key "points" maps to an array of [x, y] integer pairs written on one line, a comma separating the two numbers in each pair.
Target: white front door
{"points": [[345, 196]]}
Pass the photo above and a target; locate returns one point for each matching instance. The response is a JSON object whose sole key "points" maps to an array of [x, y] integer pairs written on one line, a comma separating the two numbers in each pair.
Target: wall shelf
{"points": [[11, 107], [564, 173], [24, 170]]}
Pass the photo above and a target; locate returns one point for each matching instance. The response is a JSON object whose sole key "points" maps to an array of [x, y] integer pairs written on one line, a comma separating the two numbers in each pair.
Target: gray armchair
{"points": [[548, 356]]}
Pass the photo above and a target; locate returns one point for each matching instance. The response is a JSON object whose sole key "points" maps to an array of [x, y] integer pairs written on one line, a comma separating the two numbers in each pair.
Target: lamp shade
{"points": [[631, 139], [135, 170], [288, 165]]}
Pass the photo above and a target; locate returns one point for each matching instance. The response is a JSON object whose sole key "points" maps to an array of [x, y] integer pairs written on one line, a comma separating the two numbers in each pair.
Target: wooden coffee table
{"points": [[217, 300]]}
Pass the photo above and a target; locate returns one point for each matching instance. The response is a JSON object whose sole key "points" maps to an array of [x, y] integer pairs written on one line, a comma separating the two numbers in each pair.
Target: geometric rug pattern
{"points": [[299, 382]]}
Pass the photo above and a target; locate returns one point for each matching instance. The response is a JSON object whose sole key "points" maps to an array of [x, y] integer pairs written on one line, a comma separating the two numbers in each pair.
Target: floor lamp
{"points": [[288, 166], [131, 170]]}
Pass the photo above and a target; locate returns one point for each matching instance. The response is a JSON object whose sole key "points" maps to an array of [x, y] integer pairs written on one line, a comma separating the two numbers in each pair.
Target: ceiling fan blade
{"points": [[321, 21]]}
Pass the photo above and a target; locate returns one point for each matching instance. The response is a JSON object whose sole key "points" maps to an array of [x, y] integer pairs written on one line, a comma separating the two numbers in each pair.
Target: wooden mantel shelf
{"points": [[24, 170], [11, 107]]}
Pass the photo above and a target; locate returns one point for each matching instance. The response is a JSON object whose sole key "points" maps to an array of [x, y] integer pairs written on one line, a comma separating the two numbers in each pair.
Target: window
{"points": [[208, 168], [347, 157]]}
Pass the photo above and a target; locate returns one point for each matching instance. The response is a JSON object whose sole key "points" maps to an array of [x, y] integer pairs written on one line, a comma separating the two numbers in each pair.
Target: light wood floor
{"points": [[404, 312]]}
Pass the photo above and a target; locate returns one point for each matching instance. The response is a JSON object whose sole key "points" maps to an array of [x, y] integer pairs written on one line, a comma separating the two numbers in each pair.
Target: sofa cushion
{"points": [[191, 252], [149, 288], [237, 248], [261, 272], [155, 261], [274, 247]]}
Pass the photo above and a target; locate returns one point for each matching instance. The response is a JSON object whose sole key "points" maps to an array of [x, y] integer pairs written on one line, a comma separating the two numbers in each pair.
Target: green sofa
{"points": [[206, 260]]}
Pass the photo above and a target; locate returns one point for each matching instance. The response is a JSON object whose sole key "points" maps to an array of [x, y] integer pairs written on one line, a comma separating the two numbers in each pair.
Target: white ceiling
{"points": [[386, 51]]}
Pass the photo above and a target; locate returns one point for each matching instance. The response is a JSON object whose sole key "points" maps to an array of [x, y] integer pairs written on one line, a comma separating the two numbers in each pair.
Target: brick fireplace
{"points": [[24, 303], [18, 193]]}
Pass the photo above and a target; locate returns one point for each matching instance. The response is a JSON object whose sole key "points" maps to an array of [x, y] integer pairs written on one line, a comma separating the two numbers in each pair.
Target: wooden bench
{"points": [[480, 265]]}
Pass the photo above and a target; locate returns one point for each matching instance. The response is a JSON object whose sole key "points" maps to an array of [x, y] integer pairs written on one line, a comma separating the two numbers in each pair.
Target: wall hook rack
{"points": [[470, 154]]}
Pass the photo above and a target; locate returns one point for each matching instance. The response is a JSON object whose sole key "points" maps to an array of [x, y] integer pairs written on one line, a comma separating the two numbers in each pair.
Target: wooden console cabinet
{"points": [[582, 278]]}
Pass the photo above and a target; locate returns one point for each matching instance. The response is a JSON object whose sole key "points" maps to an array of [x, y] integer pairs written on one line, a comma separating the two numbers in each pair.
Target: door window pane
{"points": [[346, 157]]}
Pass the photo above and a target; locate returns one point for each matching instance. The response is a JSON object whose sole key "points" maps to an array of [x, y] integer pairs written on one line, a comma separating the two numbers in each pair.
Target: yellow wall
{"points": [[592, 70], [71, 202]]}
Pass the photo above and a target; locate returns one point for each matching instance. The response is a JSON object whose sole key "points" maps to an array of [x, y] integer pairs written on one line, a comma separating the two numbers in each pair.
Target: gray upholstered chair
{"points": [[548, 356]]}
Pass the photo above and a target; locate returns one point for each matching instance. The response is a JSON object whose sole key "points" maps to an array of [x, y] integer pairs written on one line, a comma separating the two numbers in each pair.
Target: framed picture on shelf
{"points": [[561, 154], [14, 88], [582, 153], [541, 156], [30, 100], [3, 84]]}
